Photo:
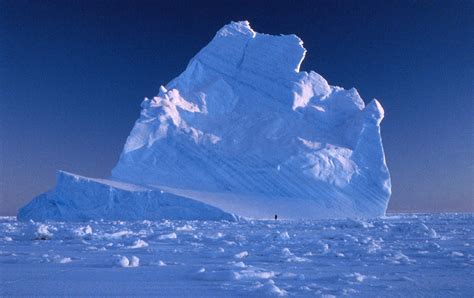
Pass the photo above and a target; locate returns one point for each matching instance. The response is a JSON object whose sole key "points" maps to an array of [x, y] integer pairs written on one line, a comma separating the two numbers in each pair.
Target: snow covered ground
{"points": [[398, 255]]}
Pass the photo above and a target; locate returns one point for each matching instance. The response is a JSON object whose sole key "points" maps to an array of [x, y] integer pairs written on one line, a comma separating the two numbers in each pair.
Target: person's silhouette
{"points": [[276, 217]]}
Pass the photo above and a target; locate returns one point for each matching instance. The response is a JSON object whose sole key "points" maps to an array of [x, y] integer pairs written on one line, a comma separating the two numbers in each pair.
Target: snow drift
{"points": [[243, 129]]}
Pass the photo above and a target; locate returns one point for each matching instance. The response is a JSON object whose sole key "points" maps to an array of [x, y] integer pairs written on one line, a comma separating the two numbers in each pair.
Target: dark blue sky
{"points": [[73, 74]]}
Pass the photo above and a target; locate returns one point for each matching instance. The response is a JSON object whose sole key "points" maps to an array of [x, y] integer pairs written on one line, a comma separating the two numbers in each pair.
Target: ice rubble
{"points": [[394, 254], [244, 130]]}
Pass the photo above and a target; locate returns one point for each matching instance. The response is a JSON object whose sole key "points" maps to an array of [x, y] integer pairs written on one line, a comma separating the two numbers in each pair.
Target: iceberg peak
{"points": [[375, 111], [238, 51], [240, 27]]}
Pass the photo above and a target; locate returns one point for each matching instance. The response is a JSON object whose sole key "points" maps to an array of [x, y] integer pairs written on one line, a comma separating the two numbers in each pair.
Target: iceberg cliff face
{"points": [[243, 129]]}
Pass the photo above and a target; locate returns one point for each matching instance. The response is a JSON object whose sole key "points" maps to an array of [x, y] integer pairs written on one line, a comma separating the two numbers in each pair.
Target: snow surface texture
{"points": [[394, 256], [244, 130]]}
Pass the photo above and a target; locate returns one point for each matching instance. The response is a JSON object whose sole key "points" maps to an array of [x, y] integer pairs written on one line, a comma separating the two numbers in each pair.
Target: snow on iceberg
{"points": [[244, 130]]}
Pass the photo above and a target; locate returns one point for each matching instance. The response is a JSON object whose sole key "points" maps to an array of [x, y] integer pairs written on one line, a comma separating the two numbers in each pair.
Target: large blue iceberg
{"points": [[241, 131]]}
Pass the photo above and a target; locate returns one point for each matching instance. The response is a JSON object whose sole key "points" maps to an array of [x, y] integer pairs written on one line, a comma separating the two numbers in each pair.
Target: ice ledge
{"points": [[79, 198]]}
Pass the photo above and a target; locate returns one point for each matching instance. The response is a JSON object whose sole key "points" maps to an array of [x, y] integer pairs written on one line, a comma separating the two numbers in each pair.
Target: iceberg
{"points": [[241, 131]]}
